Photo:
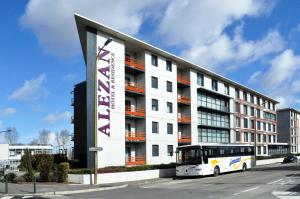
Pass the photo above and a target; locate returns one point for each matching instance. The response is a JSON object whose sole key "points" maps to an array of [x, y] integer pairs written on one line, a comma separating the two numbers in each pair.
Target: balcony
{"points": [[183, 99], [139, 160], [184, 119], [134, 64], [183, 80], [135, 87], [135, 136], [135, 112], [184, 139]]}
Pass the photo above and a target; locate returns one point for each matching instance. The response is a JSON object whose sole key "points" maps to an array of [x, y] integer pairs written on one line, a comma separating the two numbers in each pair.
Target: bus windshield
{"points": [[189, 155]]}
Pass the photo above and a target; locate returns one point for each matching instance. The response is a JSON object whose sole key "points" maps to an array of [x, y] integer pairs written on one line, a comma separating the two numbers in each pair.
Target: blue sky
{"points": [[253, 42]]}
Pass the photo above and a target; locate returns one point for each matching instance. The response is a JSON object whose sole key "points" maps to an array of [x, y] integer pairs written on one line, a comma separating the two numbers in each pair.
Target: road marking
{"points": [[285, 194], [251, 189], [167, 183], [274, 182], [7, 197]]}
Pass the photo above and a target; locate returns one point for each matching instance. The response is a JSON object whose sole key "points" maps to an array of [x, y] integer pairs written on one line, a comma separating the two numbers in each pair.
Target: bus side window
{"points": [[205, 156]]}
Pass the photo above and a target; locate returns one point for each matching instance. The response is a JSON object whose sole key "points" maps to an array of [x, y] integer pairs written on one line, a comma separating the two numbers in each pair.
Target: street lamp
{"points": [[95, 110], [255, 131]]}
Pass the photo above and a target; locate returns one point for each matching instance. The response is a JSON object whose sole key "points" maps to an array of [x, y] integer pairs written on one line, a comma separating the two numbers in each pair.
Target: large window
{"points": [[154, 127], [200, 79], [169, 107], [154, 60], [252, 98], [154, 82], [245, 95], [245, 110], [154, 105], [246, 137], [212, 102], [237, 93], [155, 150], [245, 123], [169, 65], [270, 116], [170, 150], [169, 87], [213, 135], [226, 89], [169, 128], [214, 85], [213, 119]]}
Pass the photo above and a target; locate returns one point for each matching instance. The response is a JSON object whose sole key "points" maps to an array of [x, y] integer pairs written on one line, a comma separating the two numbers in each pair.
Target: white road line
{"points": [[285, 195], [167, 183], [251, 189], [274, 182], [7, 197]]}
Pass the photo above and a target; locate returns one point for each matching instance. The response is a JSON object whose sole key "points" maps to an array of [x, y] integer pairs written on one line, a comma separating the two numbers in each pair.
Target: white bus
{"points": [[213, 159]]}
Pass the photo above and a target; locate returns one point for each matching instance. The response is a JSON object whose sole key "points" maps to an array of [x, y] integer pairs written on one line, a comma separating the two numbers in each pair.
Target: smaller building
{"points": [[11, 154], [288, 128]]}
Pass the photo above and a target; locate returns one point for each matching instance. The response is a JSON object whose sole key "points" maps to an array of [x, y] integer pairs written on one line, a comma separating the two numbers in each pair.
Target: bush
{"points": [[63, 169], [10, 177], [28, 177], [80, 171], [26, 162], [19, 180], [44, 164]]}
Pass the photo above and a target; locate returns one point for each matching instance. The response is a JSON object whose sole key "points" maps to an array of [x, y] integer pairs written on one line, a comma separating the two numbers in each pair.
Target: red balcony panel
{"points": [[183, 80], [139, 160], [184, 139], [135, 87], [184, 119], [135, 136], [133, 63], [138, 112]]}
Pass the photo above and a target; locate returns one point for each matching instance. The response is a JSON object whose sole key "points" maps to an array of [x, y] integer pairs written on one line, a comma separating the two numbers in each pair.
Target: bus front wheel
{"points": [[216, 171], [244, 167]]}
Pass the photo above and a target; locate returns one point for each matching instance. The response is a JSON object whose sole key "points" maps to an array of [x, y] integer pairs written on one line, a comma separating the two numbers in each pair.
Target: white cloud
{"points": [[255, 77], [57, 117], [8, 111], [31, 90], [54, 25]]}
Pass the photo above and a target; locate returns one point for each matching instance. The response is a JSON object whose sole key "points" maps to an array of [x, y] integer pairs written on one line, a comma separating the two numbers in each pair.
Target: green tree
{"points": [[26, 165]]}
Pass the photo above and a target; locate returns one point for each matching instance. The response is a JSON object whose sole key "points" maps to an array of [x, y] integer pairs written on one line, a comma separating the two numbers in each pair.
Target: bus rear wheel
{"points": [[244, 167], [216, 171]]}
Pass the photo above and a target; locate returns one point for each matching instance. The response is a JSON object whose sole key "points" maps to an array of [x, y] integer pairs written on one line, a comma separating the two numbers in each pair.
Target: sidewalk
{"points": [[55, 188]]}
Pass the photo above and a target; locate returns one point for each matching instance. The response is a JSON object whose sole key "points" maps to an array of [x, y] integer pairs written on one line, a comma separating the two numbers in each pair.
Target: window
{"points": [[154, 105], [237, 93], [169, 107], [169, 65], [258, 113], [259, 137], [252, 137], [252, 124], [252, 111], [237, 107], [252, 98], [269, 127], [154, 82], [265, 150], [274, 128], [245, 95], [169, 128], [154, 127], [155, 150], [154, 60], [258, 125], [212, 102], [238, 122], [245, 123], [264, 126], [259, 150], [170, 150], [226, 89], [213, 119], [213, 135], [200, 79], [269, 138], [169, 87], [245, 137], [214, 85], [265, 138], [257, 100], [245, 110], [237, 136]]}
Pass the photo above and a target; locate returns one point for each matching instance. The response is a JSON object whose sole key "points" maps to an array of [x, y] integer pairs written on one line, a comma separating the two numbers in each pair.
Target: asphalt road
{"points": [[272, 181]]}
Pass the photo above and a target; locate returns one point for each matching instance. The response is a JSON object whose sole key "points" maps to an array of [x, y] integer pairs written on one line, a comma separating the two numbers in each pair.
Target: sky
{"points": [[253, 42]]}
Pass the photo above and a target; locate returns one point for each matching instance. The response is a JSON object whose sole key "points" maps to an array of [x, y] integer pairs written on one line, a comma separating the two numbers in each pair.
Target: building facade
{"points": [[149, 101], [11, 154], [288, 128]]}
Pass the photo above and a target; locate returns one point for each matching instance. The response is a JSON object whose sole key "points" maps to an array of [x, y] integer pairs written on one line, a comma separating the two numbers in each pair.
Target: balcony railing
{"points": [[183, 80], [139, 160], [135, 87], [133, 111], [184, 99], [133, 63], [135, 136], [184, 118], [184, 139]]}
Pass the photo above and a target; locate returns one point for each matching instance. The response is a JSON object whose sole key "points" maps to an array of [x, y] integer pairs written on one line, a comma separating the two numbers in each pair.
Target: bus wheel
{"points": [[244, 167], [216, 171]]}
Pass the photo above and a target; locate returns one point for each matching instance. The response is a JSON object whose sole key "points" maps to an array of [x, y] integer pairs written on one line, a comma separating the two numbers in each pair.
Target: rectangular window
{"points": [[169, 107], [170, 150], [264, 126], [154, 60], [169, 87], [226, 87], [154, 127], [245, 95], [237, 93], [214, 85], [252, 111], [252, 98], [155, 150], [257, 100], [200, 79], [259, 150], [252, 124], [265, 150], [258, 125], [269, 138], [259, 137], [265, 138], [169, 128], [154, 82], [169, 65], [245, 123], [154, 105], [258, 113], [245, 137], [252, 137], [245, 110]]}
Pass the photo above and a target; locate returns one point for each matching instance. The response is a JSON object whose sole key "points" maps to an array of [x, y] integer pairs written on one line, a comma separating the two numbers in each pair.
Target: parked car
{"points": [[290, 159]]}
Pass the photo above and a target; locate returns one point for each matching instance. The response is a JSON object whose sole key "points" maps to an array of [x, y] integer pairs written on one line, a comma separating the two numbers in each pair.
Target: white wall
{"points": [[4, 152]]}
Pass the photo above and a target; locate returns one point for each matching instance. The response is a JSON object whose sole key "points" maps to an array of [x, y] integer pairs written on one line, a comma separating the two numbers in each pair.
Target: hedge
{"points": [[63, 169]]}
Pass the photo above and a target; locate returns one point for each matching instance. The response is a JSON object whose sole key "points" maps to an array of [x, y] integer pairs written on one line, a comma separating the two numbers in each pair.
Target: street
{"points": [[270, 181]]}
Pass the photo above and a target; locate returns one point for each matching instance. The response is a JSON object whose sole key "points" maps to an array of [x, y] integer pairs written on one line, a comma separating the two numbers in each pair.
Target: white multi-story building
{"points": [[288, 128], [149, 101], [11, 154]]}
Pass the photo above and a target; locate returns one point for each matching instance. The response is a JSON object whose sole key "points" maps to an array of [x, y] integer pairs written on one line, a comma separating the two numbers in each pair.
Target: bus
{"points": [[213, 159]]}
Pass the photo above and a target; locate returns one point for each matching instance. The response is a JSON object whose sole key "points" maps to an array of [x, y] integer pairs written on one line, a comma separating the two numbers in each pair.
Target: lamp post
{"points": [[95, 110], [255, 131]]}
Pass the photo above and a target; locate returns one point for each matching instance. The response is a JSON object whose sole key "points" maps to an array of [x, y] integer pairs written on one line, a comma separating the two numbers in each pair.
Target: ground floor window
{"points": [[213, 135]]}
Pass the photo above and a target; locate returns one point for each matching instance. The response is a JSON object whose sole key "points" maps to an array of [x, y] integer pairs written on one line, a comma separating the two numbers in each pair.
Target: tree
{"points": [[26, 164], [44, 137], [34, 142], [62, 138], [11, 135]]}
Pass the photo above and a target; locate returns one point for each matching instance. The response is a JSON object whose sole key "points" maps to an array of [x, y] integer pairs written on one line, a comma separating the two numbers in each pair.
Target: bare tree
{"points": [[34, 142], [62, 138], [44, 136], [11, 135]]}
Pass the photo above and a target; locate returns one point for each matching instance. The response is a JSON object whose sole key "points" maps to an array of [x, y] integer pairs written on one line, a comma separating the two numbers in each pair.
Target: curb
{"points": [[71, 192]]}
